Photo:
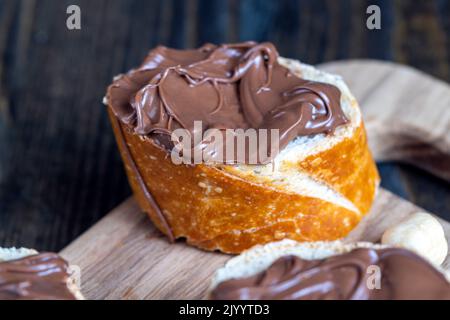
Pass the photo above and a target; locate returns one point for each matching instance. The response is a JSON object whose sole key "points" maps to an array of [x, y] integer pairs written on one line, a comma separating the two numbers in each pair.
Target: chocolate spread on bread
{"points": [[43, 277], [231, 86], [403, 275]]}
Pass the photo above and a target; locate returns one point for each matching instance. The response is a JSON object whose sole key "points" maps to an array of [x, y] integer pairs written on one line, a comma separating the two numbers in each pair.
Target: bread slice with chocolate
{"points": [[26, 274], [319, 185], [289, 270]]}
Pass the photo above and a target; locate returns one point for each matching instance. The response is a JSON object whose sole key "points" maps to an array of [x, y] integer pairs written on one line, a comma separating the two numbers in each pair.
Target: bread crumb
{"points": [[316, 162], [279, 235]]}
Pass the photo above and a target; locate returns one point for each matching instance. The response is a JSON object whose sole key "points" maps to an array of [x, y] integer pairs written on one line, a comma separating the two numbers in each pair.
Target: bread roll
{"points": [[317, 188], [290, 270], [260, 257]]}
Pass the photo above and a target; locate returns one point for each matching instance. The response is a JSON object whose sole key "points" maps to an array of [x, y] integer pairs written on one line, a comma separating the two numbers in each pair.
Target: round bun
{"points": [[318, 188]]}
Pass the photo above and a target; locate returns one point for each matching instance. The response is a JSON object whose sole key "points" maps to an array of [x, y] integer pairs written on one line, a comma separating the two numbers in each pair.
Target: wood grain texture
{"points": [[124, 257], [405, 111], [123, 254], [60, 171]]}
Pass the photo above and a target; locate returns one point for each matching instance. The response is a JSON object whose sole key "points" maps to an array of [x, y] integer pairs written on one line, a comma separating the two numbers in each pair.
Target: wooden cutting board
{"points": [[407, 115]]}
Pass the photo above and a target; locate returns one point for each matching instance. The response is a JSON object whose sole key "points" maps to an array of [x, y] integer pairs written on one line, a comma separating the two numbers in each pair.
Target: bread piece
{"points": [[260, 257], [8, 254], [318, 188]]}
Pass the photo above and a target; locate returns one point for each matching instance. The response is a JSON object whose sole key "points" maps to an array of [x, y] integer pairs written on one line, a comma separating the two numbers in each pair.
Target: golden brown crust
{"points": [[216, 210], [348, 168]]}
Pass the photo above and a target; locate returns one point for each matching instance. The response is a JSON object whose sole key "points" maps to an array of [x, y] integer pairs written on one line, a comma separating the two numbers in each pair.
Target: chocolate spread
{"points": [[402, 275], [231, 86], [38, 277]]}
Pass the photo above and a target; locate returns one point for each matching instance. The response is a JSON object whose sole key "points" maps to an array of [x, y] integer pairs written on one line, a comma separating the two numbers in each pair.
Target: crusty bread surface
{"points": [[318, 187]]}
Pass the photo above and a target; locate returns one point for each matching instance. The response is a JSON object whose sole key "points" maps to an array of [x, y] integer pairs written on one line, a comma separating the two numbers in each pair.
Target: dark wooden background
{"points": [[59, 167]]}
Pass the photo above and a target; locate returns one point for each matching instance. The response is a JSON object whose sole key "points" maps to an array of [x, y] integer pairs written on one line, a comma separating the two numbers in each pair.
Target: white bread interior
{"points": [[7, 254], [276, 175], [260, 257]]}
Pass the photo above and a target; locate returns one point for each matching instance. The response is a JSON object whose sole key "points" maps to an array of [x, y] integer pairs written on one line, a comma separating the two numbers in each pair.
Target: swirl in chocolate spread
{"points": [[231, 86], [43, 277], [404, 275]]}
